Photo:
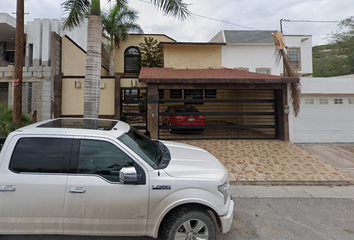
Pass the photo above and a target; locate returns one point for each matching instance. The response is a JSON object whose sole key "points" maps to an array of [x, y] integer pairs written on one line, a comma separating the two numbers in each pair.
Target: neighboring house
{"points": [[327, 111], [254, 51], [49, 53], [41, 64]]}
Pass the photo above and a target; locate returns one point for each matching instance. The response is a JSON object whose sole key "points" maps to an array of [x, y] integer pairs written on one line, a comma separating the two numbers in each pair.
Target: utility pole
{"points": [[17, 104]]}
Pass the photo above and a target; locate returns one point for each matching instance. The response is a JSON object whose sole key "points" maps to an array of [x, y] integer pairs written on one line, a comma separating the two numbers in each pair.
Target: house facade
{"points": [[254, 51], [327, 111], [236, 104]]}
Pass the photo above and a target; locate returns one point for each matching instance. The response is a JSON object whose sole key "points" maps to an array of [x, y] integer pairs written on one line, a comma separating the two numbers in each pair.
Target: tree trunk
{"points": [[17, 104], [93, 67], [111, 63]]}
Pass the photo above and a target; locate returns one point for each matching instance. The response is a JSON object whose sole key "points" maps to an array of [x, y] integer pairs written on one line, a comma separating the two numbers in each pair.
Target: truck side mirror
{"points": [[128, 175]]}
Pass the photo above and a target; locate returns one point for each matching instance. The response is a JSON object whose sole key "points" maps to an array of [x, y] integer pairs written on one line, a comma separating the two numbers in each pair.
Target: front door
{"points": [[134, 107], [96, 203]]}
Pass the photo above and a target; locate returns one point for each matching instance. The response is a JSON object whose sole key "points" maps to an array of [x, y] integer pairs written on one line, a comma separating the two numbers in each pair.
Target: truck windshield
{"points": [[143, 146]]}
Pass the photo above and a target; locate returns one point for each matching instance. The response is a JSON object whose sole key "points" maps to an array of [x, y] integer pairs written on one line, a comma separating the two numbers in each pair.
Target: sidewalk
{"points": [[271, 162], [291, 192]]}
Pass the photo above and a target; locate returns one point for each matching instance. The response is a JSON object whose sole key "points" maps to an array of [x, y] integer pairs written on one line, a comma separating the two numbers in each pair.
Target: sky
{"points": [[211, 16]]}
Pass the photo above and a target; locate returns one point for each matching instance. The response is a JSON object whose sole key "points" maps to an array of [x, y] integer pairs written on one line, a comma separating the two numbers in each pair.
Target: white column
{"points": [[46, 38], [37, 42]]}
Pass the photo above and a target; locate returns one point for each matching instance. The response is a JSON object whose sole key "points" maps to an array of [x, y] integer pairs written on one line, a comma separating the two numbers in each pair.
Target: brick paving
{"points": [[271, 162]]}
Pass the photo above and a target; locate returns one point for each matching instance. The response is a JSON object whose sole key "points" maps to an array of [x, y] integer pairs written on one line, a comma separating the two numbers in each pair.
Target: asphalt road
{"points": [[292, 218], [291, 213]]}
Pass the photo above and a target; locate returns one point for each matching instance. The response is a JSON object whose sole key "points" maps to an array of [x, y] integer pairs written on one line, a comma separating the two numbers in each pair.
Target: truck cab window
{"points": [[103, 159], [40, 155]]}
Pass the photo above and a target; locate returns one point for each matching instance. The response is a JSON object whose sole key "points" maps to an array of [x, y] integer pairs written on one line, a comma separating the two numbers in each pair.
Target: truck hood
{"points": [[193, 162]]}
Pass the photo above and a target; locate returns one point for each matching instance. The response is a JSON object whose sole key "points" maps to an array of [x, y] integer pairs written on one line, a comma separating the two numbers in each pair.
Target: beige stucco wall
{"points": [[133, 41], [73, 98], [73, 60], [127, 83], [192, 56], [104, 72]]}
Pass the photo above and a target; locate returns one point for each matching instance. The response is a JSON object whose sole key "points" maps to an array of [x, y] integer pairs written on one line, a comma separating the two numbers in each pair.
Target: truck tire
{"points": [[188, 223]]}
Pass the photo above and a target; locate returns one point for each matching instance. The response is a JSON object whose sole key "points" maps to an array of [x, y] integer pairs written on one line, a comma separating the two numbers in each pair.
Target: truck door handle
{"points": [[7, 188], [77, 190]]}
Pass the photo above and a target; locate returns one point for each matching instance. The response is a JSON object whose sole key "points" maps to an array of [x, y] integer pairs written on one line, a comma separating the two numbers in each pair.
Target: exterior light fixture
{"points": [[134, 83], [102, 85], [286, 109], [77, 84]]}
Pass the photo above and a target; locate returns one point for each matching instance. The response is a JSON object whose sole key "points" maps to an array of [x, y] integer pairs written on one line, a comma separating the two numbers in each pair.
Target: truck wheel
{"points": [[190, 224]]}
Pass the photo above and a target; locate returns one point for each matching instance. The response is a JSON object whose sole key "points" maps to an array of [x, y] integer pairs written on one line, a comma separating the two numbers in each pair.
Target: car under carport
{"points": [[236, 104]]}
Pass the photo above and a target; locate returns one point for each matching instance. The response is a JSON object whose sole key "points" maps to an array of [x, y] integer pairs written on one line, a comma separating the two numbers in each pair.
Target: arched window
{"points": [[131, 60]]}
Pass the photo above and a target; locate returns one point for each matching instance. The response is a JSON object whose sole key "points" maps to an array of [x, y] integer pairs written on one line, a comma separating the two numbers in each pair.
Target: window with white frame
{"points": [[338, 101], [243, 69], [323, 100], [294, 56], [310, 101], [351, 101], [263, 70]]}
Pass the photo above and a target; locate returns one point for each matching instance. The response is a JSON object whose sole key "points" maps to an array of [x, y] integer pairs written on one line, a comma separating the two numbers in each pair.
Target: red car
{"points": [[187, 117]]}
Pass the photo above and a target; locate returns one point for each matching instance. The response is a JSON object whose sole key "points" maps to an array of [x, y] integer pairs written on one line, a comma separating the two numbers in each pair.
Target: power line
{"points": [[213, 19], [304, 21], [197, 15], [281, 20], [315, 21]]}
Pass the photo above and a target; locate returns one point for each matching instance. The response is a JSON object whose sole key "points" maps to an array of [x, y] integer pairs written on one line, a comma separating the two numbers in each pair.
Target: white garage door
{"points": [[325, 118]]}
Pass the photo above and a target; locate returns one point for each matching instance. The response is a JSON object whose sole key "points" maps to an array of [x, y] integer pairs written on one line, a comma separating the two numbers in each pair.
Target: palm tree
{"points": [[117, 23], [77, 10]]}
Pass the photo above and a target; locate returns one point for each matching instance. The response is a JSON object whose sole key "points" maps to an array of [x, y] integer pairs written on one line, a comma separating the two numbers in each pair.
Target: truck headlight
{"points": [[224, 189]]}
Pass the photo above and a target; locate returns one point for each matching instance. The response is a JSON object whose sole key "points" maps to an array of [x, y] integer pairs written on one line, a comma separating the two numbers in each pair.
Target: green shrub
{"points": [[6, 116]]}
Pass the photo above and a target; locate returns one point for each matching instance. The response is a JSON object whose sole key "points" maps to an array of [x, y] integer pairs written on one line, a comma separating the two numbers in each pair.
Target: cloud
{"points": [[254, 14]]}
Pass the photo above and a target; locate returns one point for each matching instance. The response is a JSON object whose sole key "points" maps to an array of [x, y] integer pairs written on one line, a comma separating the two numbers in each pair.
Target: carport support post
{"points": [[153, 110], [283, 121], [118, 98]]}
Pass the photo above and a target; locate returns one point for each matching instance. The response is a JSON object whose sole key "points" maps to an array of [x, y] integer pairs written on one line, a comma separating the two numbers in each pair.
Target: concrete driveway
{"points": [[338, 155], [271, 162]]}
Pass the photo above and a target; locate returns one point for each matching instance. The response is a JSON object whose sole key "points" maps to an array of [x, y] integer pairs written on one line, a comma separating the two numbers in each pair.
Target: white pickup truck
{"points": [[102, 177]]}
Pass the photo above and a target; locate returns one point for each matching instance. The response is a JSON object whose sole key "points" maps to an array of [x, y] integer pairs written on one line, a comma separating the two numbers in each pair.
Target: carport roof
{"points": [[211, 75]]}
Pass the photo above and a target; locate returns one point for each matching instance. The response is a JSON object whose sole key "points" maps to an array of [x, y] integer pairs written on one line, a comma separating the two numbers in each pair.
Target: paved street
{"points": [[292, 212], [276, 212]]}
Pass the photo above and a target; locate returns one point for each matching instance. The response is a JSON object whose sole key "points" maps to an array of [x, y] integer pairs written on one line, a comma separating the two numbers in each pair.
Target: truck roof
{"points": [[78, 126]]}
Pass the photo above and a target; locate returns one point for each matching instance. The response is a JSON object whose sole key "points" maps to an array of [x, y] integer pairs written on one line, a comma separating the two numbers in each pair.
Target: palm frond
{"points": [[290, 71], [77, 10], [296, 97], [119, 3], [118, 22], [6, 123], [175, 8]]}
